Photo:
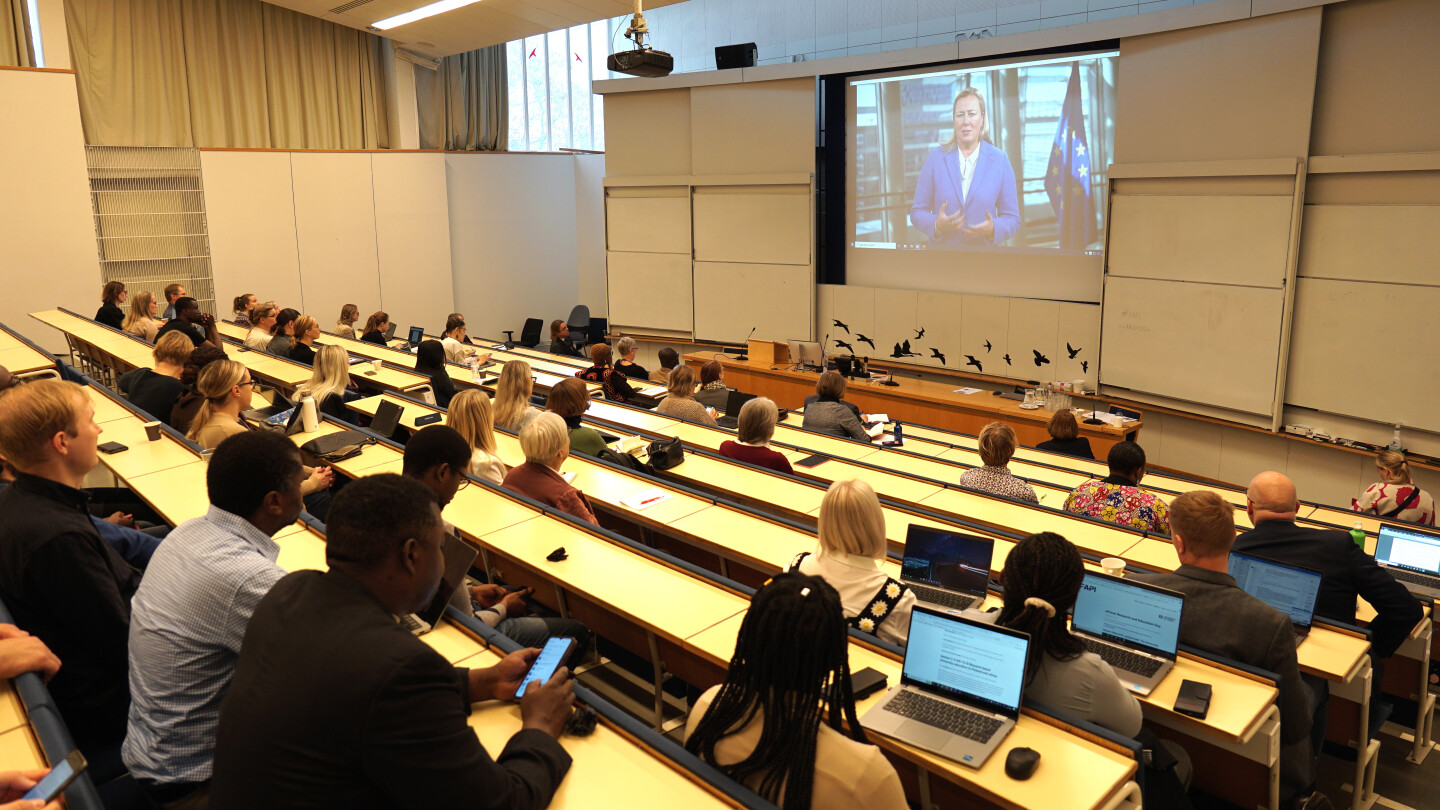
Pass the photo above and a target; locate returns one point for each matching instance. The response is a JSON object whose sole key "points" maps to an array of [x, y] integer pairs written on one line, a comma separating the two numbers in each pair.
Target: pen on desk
{"points": [[650, 500]]}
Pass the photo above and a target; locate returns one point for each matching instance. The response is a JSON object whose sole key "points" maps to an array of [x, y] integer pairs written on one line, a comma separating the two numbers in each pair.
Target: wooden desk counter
{"points": [[372, 456], [1332, 655], [1152, 553], [20, 751], [1105, 541], [22, 359], [1238, 705], [893, 485], [143, 455], [300, 550], [751, 484], [745, 538], [12, 711], [411, 410], [107, 409], [635, 418], [178, 493]]}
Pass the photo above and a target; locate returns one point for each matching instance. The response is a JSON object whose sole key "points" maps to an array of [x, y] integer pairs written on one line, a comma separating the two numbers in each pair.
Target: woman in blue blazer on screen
{"points": [[966, 192]]}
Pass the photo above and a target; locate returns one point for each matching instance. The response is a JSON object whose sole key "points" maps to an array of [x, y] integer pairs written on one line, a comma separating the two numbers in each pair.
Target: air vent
{"points": [[350, 6]]}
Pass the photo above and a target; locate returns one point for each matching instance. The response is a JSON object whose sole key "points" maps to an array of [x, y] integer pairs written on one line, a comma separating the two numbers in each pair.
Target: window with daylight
{"points": [[551, 105]]}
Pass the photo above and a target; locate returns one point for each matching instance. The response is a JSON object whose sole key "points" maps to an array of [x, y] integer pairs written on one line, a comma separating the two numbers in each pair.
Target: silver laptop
{"points": [[1412, 557], [1290, 589], [960, 687], [1133, 626], [459, 556], [946, 570]]}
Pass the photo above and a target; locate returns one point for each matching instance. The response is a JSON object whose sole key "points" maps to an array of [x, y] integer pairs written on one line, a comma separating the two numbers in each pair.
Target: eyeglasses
{"points": [[246, 382], [464, 481]]}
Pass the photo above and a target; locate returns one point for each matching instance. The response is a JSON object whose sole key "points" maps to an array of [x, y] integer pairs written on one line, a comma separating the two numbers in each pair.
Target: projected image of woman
{"points": [[966, 192]]}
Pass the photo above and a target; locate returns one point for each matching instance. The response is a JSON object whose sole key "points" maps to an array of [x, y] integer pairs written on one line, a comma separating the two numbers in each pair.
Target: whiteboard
{"points": [[1241, 240], [754, 224], [1204, 343], [777, 300], [650, 290], [648, 220]]}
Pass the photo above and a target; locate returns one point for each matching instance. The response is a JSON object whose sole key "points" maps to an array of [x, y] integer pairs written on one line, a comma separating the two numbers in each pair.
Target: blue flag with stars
{"points": [[1067, 180]]}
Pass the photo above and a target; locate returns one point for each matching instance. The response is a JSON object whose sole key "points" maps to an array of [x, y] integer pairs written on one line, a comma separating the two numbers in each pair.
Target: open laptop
{"points": [[960, 687], [387, 418], [390, 332], [278, 405], [737, 400], [417, 334], [1133, 626], [1412, 557], [459, 556], [1290, 589], [946, 570]]}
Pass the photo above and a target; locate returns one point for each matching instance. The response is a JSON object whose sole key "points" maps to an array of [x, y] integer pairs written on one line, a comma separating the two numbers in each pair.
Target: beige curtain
{"points": [[16, 49], [463, 105], [223, 73]]}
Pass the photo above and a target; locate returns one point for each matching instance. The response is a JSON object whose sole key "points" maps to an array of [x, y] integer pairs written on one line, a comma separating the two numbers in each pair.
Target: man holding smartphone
{"points": [[336, 701]]}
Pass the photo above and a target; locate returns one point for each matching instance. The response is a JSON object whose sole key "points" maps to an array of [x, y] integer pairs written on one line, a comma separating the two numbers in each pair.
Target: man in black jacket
{"points": [[335, 704]]}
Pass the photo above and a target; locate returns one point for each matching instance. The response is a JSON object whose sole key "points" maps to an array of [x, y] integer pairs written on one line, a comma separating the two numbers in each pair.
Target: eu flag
{"points": [[1067, 180]]}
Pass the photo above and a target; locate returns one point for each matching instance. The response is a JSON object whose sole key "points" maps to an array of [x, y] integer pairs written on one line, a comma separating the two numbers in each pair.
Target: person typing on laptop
{"points": [[1221, 618]]}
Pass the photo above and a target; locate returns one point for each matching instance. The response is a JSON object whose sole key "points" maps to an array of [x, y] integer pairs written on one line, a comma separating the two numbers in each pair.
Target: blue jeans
{"points": [[532, 631]]}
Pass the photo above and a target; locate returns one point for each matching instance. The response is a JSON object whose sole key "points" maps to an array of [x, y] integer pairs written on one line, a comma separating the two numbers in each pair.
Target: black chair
{"points": [[530, 335], [598, 328], [579, 323]]}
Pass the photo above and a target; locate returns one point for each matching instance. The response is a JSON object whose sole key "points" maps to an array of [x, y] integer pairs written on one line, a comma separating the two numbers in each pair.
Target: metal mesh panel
{"points": [[150, 227]]}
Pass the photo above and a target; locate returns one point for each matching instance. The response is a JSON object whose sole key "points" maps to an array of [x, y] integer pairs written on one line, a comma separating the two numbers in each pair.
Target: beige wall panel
{"points": [[412, 238], [250, 211], [1243, 453], [1080, 328], [1034, 326], [1256, 76], [1379, 70], [825, 302], [1203, 186], [651, 290], [775, 299], [335, 231], [1192, 446], [647, 134], [1376, 188], [759, 224], [1325, 475], [942, 315], [590, 232], [648, 224], [1393, 243], [853, 306], [46, 227], [984, 318], [752, 128], [1219, 240], [897, 317]]}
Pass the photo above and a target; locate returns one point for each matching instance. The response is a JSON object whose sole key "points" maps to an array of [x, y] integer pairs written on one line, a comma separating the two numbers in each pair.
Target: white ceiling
{"points": [[488, 22]]}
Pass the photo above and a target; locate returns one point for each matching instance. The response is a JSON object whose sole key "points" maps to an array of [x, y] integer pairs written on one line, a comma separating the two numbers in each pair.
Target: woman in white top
{"points": [[775, 723], [262, 325], [471, 416], [345, 327], [513, 410], [140, 320], [852, 544], [456, 349], [1396, 496]]}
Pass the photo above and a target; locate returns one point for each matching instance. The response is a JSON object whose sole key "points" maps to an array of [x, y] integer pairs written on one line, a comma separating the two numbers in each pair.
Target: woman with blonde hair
{"points": [[569, 400], [755, 428], [1065, 437], [472, 417], [513, 410], [345, 327], [307, 331], [262, 325], [997, 447], [1396, 496], [680, 401], [140, 320], [851, 547], [329, 383]]}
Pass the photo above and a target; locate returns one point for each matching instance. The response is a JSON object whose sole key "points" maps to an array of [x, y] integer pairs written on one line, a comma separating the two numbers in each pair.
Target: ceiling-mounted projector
{"points": [[641, 61]]}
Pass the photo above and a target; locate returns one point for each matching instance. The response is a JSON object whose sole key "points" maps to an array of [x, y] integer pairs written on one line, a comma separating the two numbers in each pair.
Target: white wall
{"points": [[590, 231], [47, 233]]}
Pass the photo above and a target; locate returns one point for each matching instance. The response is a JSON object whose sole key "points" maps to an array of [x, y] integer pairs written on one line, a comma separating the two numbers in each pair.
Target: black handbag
{"points": [[666, 453], [339, 446]]}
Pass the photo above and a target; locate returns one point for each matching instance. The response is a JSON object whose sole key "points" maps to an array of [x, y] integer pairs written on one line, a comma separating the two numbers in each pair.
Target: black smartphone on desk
{"points": [[812, 461], [428, 419], [111, 448]]}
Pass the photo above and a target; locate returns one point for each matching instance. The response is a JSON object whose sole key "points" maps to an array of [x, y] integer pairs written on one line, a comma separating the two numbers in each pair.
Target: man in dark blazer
{"points": [[335, 704]]}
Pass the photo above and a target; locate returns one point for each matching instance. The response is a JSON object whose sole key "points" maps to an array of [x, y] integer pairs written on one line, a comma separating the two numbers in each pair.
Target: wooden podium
{"points": [[772, 352]]}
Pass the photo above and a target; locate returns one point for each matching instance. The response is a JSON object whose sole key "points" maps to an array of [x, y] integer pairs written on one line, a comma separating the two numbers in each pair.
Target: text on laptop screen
{"points": [[1286, 588], [1408, 549], [1120, 610], [966, 660], [955, 561]]}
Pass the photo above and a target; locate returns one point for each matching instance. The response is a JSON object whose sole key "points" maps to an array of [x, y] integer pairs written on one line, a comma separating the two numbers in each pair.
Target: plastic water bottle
{"points": [[899, 434], [309, 418], [1357, 533]]}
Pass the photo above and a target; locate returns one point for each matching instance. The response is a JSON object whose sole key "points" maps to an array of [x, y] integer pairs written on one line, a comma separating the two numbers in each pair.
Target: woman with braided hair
{"points": [[763, 727]]}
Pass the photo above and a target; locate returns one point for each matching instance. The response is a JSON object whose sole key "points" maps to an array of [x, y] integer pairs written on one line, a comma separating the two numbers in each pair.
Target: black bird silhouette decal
{"points": [[864, 339], [971, 361], [934, 352], [920, 334], [840, 325], [909, 353], [1085, 366], [846, 346], [899, 352], [987, 347], [1040, 359], [1007, 359], [1072, 350]]}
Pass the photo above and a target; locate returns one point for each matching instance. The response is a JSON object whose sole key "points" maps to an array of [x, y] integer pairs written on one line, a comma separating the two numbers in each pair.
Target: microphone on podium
{"points": [[745, 349]]}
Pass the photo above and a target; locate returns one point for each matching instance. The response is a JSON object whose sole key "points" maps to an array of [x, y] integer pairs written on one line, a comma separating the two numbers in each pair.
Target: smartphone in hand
{"points": [[551, 656], [59, 778]]}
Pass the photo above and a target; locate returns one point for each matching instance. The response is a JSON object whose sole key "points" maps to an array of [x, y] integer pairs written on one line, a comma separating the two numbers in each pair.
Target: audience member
{"points": [[1222, 619], [59, 579], [15, 784], [330, 383], [375, 328], [345, 326], [283, 333], [173, 293], [183, 414], [430, 361], [1396, 496], [560, 340], [472, 417], [133, 540], [763, 726], [829, 414], [997, 447], [626, 349], [815, 397], [616, 386], [513, 409], [369, 714], [111, 298], [755, 428], [21, 652], [1065, 436], [307, 331], [262, 325], [457, 345], [680, 400], [155, 391], [669, 359], [1118, 498], [188, 618], [192, 323], [852, 545], [546, 447], [140, 320], [714, 393], [569, 400], [461, 319], [240, 309]]}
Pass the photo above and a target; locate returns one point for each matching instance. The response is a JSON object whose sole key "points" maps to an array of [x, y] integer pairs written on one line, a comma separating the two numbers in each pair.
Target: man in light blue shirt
{"points": [[190, 614]]}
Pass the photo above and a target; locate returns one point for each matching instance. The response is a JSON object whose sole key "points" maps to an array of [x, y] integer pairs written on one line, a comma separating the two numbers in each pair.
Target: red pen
{"points": [[648, 501]]}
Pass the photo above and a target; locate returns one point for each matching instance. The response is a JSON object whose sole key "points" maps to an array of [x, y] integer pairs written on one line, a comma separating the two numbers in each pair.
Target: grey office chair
{"points": [[579, 323]]}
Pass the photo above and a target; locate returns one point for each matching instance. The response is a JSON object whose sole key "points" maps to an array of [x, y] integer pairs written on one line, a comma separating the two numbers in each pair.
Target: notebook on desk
{"points": [[1134, 627], [946, 570], [1412, 557], [1290, 589]]}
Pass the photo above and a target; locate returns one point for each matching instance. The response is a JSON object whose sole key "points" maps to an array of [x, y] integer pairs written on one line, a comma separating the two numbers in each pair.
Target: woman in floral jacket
{"points": [[1118, 498]]}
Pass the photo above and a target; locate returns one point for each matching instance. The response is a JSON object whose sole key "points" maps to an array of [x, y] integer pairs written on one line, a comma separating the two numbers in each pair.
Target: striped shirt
{"points": [[186, 624]]}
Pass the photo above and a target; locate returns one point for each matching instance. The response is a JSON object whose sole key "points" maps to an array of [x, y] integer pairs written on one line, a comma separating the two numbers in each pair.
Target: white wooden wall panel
{"points": [[335, 231], [412, 238], [250, 209], [651, 290]]}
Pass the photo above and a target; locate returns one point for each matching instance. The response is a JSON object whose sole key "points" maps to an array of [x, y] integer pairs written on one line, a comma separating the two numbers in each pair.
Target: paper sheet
{"points": [[967, 391], [646, 499]]}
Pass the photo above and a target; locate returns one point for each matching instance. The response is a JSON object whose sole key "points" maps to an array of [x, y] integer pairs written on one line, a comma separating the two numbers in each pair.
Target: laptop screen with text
{"points": [[1289, 589], [1129, 612], [959, 562], [1417, 551], [966, 660]]}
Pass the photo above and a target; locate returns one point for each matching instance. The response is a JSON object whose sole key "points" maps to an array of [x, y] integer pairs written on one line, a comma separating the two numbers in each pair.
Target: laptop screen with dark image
{"points": [[958, 562]]}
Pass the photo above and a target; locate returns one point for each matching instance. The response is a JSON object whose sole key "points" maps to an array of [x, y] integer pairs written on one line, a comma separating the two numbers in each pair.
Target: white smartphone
{"points": [[551, 656], [58, 779]]}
